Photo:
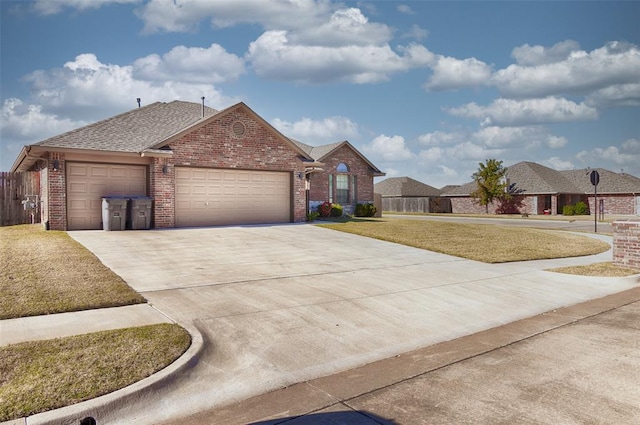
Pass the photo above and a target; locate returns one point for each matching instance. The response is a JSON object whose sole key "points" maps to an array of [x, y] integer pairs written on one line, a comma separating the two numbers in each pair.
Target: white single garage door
{"points": [[210, 197], [88, 183]]}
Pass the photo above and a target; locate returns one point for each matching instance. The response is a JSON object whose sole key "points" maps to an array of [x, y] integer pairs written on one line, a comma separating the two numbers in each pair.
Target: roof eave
{"points": [[156, 153], [376, 170]]}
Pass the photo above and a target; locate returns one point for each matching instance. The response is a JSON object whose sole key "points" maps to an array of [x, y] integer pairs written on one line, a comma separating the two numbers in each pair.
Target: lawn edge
{"points": [[100, 408]]}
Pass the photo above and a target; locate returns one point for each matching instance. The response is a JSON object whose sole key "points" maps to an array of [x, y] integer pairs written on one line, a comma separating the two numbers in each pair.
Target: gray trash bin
{"points": [[114, 213], [140, 212]]}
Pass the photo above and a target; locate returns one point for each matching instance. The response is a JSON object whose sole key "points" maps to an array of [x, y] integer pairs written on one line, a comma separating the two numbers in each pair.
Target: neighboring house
{"points": [[547, 191], [200, 166], [404, 194], [344, 176], [618, 193]]}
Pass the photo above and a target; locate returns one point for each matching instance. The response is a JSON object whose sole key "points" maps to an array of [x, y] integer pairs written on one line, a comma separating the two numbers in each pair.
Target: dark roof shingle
{"points": [[133, 131]]}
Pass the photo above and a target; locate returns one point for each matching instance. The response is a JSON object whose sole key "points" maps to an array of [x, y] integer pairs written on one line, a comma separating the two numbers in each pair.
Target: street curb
{"points": [[101, 407]]}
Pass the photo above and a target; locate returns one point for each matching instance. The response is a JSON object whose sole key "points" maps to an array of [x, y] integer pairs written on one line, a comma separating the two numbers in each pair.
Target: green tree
{"points": [[491, 181]]}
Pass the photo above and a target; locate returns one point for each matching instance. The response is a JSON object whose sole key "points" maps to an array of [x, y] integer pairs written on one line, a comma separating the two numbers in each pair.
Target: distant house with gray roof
{"points": [[547, 191], [404, 194]]}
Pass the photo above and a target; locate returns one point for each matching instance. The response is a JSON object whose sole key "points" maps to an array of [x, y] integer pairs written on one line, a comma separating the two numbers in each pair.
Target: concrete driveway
{"points": [[278, 305]]}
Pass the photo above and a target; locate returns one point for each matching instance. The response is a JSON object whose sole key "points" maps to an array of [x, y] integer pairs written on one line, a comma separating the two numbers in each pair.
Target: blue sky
{"points": [[424, 89]]}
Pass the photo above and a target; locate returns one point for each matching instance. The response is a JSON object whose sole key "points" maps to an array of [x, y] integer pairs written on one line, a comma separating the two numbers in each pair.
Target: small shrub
{"points": [[568, 210], [325, 209], [580, 209], [311, 216], [336, 210], [365, 210]]}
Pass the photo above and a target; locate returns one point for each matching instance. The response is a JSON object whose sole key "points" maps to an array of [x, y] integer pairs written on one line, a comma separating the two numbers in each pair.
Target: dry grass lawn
{"points": [[47, 272], [607, 269], [480, 242], [44, 375]]}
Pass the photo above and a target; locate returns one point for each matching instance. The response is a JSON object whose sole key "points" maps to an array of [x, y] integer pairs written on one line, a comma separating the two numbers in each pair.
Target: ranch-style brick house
{"points": [[547, 191], [200, 166]]}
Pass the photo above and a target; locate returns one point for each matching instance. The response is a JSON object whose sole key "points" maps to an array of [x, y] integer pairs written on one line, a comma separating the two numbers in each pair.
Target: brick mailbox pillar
{"points": [[626, 244]]}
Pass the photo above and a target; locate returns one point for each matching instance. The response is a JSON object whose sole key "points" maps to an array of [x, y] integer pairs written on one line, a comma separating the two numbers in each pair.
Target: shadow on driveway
{"points": [[351, 417]]}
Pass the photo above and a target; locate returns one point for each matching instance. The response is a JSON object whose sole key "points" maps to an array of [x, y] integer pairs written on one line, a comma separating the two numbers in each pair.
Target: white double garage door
{"points": [[203, 197]]}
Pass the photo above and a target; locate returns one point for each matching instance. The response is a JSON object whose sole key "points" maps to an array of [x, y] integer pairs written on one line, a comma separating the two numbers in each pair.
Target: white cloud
{"points": [[617, 95], [272, 55], [416, 32], [558, 164], [51, 7], [190, 64], [88, 89], [438, 138], [181, 16], [345, 27], [527, 55], [510, 112], [27, 123], [406, 9], [631, 146], [388, 148], [433, 154], [502, 137], [304, 41], [627, 156], [317, 132], [451, 73], [556, 142], [582, 72]]}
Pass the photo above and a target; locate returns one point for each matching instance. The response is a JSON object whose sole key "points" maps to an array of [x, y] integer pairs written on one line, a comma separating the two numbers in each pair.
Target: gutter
{"points": [[21, 156]]}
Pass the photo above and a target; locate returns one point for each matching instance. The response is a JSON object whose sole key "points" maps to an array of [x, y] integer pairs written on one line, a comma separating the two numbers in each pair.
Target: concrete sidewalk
{"points": [[273, 306], [51, 326]]}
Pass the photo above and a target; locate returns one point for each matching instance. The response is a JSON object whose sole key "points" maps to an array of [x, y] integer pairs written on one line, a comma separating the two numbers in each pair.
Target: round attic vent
{"points": [[238, 128]]}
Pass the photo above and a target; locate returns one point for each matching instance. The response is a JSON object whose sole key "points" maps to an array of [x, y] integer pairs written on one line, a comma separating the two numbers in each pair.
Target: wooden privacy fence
{"points": [[14, 189]]}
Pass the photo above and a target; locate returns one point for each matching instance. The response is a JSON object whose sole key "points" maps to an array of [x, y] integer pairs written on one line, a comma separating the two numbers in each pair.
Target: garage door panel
{"points": [[77, 170], [232, 197], [88, 183], [98, 170]]}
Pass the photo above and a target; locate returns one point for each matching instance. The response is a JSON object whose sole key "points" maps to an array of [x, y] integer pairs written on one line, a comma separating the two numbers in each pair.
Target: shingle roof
{"points": [[318, 153], [533, 178], [461, 190], [610, 182], [536, 179], [133, 131], [404, 187]]}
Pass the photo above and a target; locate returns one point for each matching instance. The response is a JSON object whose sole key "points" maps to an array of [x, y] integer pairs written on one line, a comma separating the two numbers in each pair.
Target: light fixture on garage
{"points": [[165, 169], [300, 174], [56, 165]]}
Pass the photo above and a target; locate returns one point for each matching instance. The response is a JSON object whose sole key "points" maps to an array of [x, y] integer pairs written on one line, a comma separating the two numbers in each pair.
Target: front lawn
{"points": [[43, 375], [481, 242], [46, 272]]}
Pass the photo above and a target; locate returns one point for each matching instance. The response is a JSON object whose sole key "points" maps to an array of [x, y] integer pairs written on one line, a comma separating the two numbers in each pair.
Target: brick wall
{"points": [[532, 205], [615, 204], [56, 188], [215, 145], [469, 205], [626, 244], [319, 190], [162, 190]]}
